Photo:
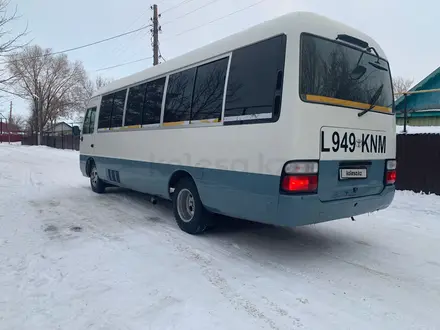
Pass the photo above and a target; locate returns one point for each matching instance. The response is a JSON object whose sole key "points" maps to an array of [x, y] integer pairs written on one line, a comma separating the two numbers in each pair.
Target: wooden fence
{"points": [[418, 163]]}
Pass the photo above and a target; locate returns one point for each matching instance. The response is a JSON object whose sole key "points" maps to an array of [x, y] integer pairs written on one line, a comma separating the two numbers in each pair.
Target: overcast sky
{"points": [[405, 29]]}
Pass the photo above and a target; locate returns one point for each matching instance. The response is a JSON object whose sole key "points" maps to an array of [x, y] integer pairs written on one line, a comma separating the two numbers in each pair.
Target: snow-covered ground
{"points": [[418, 129], [71, 259]]}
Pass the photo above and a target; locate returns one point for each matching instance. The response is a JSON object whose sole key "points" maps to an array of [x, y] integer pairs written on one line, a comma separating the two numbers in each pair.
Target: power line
{"points": [[83, 46], [197, 27], [215, 20], [126, 63], [160, 55], [121, 47], [190, 12], [176, 6]]}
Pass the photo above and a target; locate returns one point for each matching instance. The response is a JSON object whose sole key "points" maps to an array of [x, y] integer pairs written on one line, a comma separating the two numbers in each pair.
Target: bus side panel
{"points": [[161, 174], [122, 172], [241, 195], [237, 194]]}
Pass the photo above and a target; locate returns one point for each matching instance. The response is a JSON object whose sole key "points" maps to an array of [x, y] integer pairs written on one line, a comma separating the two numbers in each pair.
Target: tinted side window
{"points": [[92, 120], [105, 111], [179, 94], [118, 108], [255, 78], [153, 102], [135, 103], [86, 123], [208, 90]]}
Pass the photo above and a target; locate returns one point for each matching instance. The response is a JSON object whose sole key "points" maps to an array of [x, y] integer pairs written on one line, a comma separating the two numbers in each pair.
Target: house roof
{"points": [[419, 85], [61, 123]]}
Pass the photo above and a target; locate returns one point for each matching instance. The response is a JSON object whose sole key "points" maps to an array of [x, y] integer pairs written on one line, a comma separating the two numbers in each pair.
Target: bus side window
{"points": [[254, 77], [112, 110], [92, 120], [135, 103], [179, 96], [118, 108], [105, 111], [86, 123], [209, 88], [153, 102]]}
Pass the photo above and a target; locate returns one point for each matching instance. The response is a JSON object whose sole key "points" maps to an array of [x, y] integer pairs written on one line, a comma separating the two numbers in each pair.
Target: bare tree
{"points": [[101, 81], [19, 121], [401, 85], [55, 86], [9, 42], [90, 87], [93, 86]]}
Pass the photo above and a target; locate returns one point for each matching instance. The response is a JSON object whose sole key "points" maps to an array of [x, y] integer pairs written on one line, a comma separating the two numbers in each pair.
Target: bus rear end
{"points": [[346, 140]]}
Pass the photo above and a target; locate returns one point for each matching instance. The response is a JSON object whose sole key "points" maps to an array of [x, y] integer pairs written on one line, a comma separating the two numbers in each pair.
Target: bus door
{"points": [[87, 133]]}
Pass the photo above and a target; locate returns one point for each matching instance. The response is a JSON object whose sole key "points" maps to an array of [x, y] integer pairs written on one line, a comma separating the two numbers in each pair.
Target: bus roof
{"points": [[299, 21]]}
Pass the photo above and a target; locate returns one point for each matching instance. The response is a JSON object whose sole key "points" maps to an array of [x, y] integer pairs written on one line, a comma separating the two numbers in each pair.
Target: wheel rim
{"points": [[94, 177], [186, 205]]}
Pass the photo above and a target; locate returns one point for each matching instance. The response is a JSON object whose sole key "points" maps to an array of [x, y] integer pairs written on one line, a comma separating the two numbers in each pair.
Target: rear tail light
{"points": [[390, 176], [300, 183], [300, 177]]}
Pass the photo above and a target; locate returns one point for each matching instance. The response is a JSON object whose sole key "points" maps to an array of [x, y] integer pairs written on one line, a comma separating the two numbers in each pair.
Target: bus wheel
{"points": [[96, 183], [190, 214]]}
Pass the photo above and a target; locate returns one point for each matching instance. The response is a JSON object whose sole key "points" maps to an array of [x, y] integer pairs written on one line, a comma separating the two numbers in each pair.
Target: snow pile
{"points": [[418, 129], [71, 259]]}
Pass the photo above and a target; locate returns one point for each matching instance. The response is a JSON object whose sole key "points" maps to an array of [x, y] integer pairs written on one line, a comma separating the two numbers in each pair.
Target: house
{"points": [[5, 128], [423, 109], [61, 128], [10, 132]]}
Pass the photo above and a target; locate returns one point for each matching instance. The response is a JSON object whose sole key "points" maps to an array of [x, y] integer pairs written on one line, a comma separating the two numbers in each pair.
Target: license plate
{"points": [[341, 141], [352, 173]]}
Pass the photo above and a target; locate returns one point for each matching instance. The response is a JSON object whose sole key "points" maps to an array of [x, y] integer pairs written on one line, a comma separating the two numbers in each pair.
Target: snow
{"points": [[71, 259], [418, 129]]}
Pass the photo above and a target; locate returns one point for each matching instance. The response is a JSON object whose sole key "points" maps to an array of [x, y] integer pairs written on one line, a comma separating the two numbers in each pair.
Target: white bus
{"points": [[290, 122]]}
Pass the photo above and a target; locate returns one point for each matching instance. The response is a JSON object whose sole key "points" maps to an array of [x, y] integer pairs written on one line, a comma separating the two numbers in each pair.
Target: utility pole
{"points": [[10, 121], [405, 115], [155, 32]]}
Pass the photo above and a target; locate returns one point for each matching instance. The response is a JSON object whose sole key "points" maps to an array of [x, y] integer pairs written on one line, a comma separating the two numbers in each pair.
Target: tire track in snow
{"points": [[214, 277], [174, 238]]}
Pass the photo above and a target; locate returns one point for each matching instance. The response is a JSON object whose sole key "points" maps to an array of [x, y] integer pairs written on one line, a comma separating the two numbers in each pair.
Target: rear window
{"points": [[341, 75]]}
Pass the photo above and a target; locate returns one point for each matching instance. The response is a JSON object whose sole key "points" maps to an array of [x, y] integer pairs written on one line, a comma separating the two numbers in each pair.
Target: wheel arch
{"points": [[90, 161], [176, 177]]}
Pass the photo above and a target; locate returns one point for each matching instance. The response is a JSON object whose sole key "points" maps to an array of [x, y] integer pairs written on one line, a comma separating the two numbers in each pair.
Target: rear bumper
{"points": [[305, 210]]}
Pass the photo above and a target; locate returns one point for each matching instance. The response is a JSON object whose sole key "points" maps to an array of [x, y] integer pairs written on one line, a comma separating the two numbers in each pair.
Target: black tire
{"points": [[200, 219], [98, 186]]}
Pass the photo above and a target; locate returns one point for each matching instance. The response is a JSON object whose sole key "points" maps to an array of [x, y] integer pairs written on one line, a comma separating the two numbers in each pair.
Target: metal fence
{"points": [[55, 141], [418, 163], [13, 137]]}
